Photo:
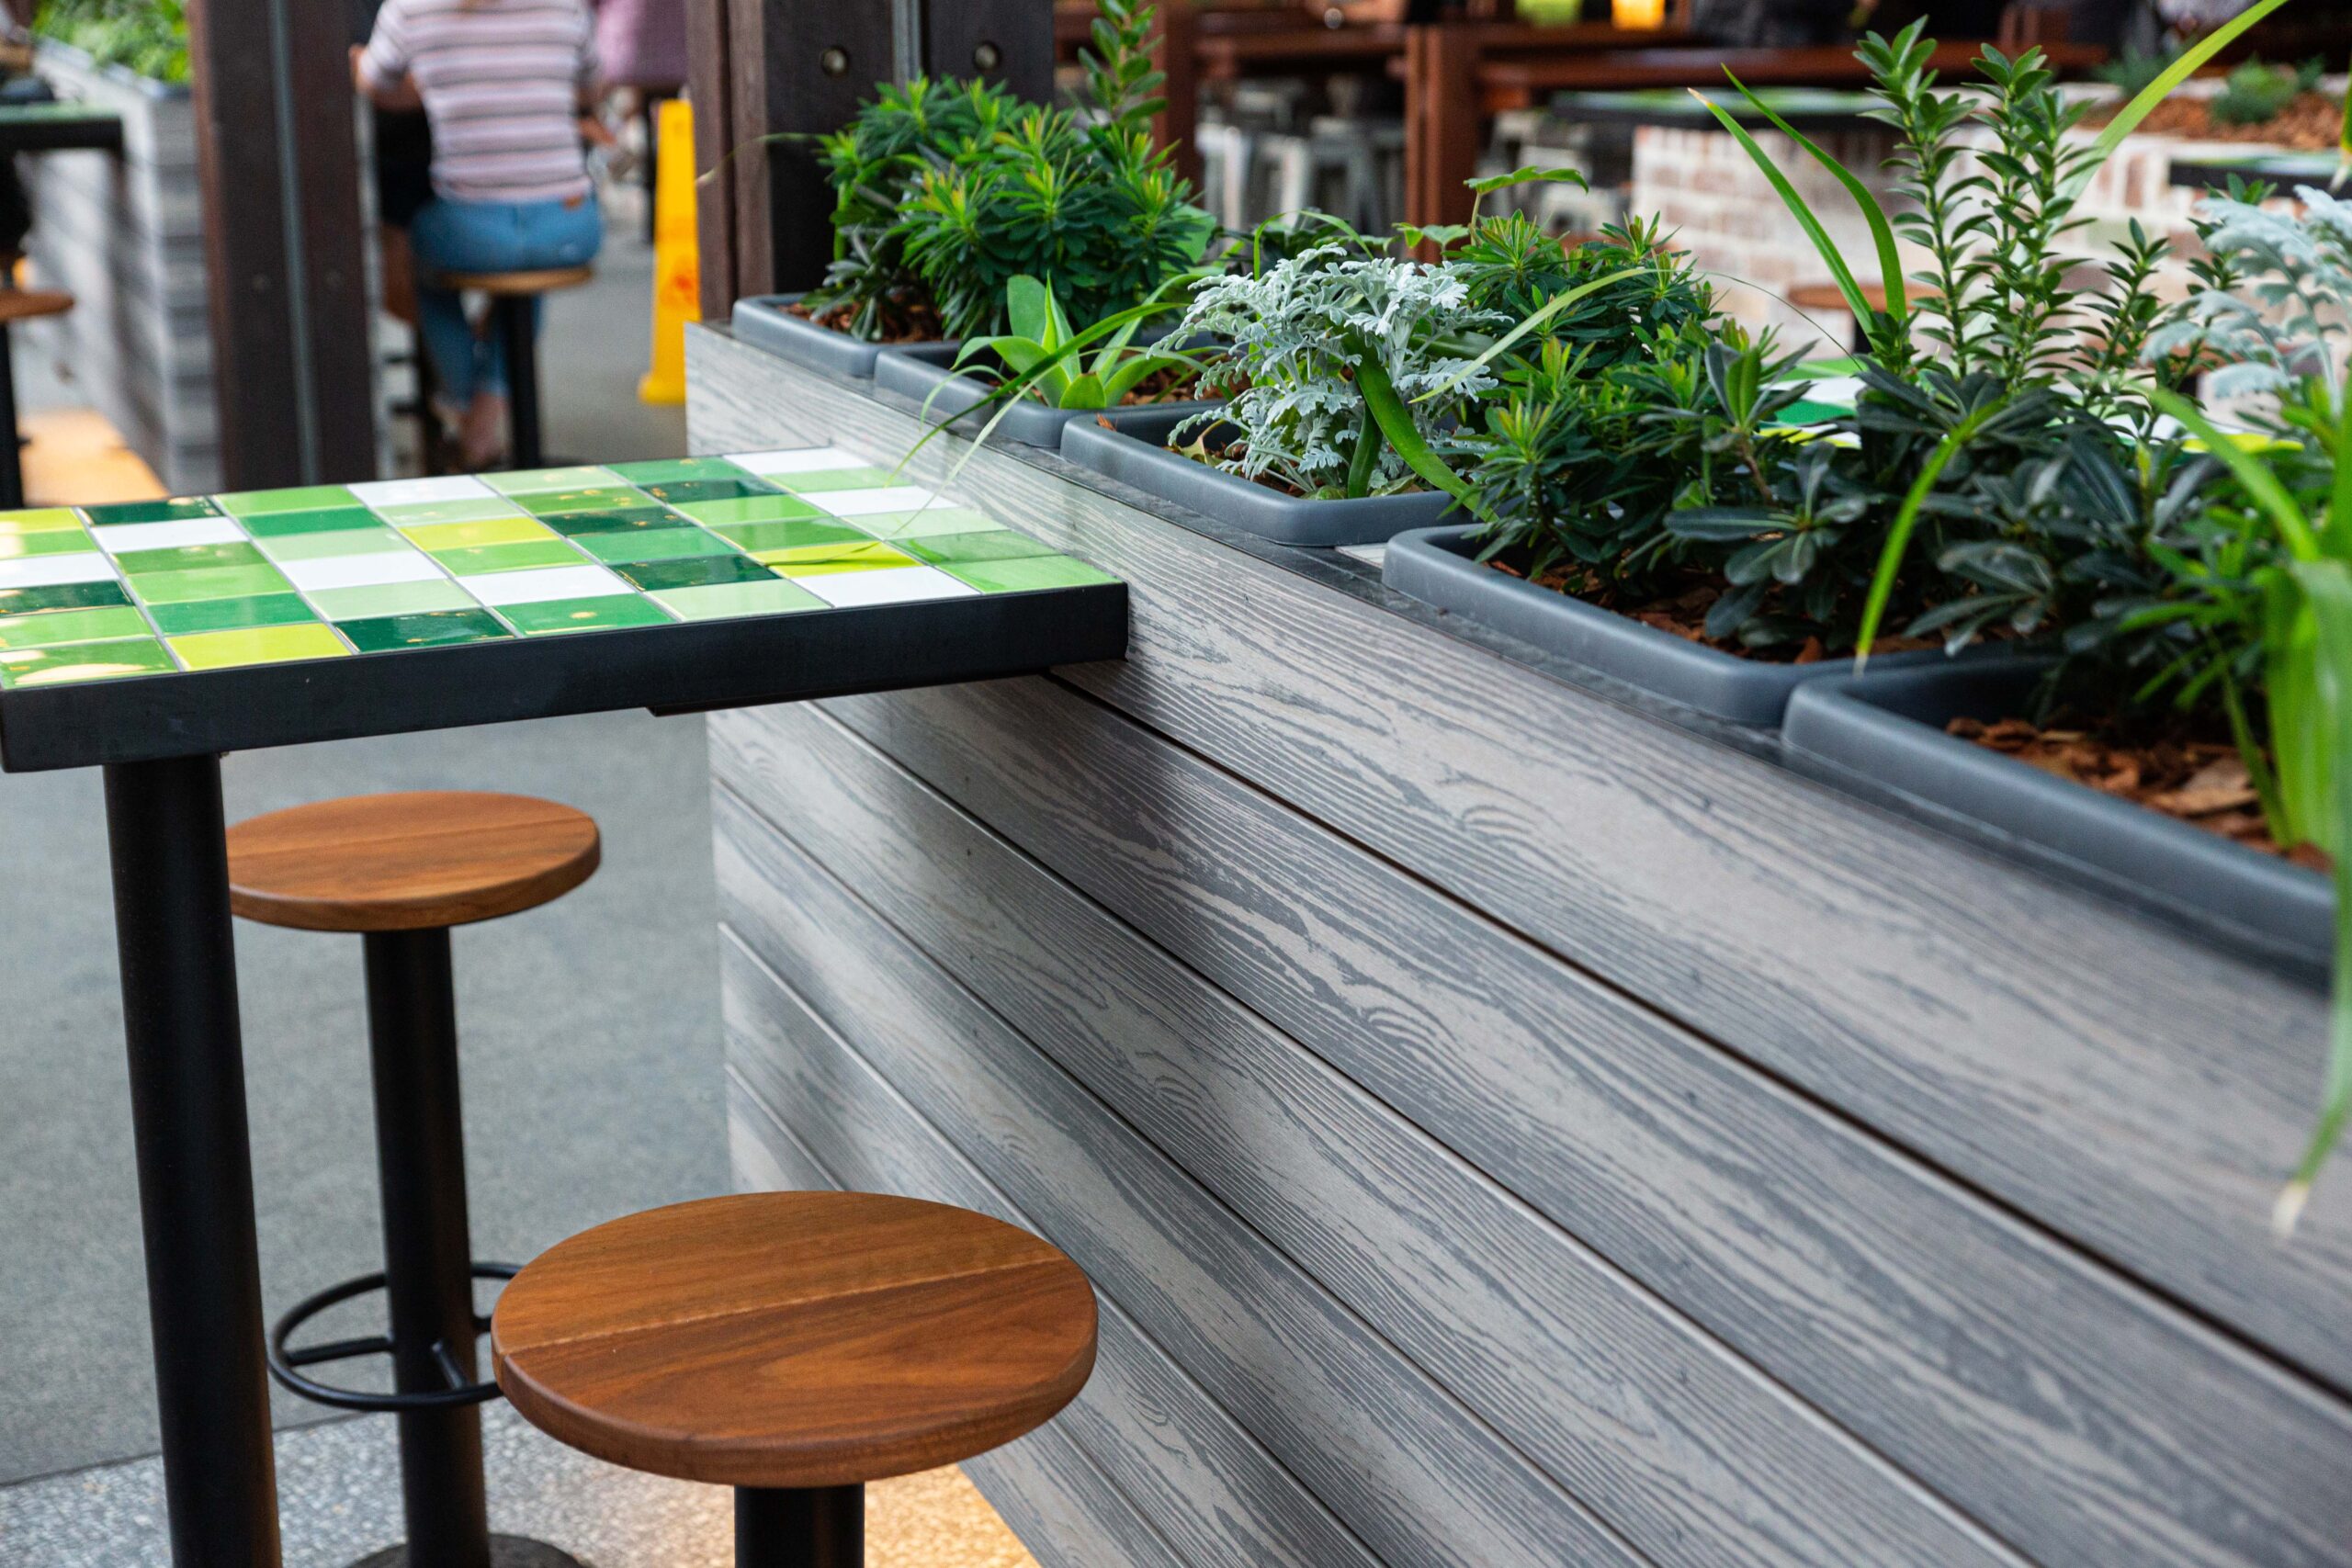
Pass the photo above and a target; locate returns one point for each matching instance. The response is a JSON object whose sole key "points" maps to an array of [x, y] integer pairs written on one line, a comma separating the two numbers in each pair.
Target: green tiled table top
{"points": [[150, 589]]}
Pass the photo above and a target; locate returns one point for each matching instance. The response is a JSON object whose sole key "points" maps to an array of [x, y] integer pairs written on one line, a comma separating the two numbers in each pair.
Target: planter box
{"points": [[1135, 451], [1883, 734], [765, 323], [125, 236], [924, 374], [1439, 567]]}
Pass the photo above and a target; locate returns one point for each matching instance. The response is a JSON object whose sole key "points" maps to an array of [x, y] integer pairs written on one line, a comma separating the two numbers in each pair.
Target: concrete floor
{"points": [[590, 1027]]}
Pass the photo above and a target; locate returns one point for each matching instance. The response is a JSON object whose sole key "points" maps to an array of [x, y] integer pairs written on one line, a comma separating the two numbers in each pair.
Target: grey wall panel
{"points": [[2126, 1086]]}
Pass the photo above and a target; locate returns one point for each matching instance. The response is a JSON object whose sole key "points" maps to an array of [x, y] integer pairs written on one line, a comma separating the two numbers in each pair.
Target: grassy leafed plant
{"points": [[147, 36], [945, 192]]}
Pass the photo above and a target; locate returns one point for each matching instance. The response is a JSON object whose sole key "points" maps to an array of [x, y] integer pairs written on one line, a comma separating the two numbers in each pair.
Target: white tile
{"points": [[361, 572], [43, 571], [798, 460], [545, 582], [402, 493], [864, 503], [125, 537], [891, 585]]}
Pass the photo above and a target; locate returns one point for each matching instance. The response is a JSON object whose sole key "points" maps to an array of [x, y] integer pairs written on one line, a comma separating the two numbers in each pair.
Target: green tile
{"points": [[377, 601], [683, 492], [301, 497], [266, 645], [653, 544], [209, 582], [438, 630], [41, 519], [697, 573], [231, 615], [614, 519], [150, 511], [750, 509], [672, 471], [473, 509], [336, 519], [62, 596], [724, 599], [484, 558], [928, 523], [15, 546], [77, 661], [584, 614], [1020, 576], [584, 476], [818, 560], [187, 557], [791, 535], [551, 502], [71, 625], [345, 542], [837, 479], [514, 530], [996, 544]]}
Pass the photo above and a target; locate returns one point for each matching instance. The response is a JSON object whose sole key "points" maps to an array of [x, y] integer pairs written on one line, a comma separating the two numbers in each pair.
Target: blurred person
{"points": [[505, 85]]}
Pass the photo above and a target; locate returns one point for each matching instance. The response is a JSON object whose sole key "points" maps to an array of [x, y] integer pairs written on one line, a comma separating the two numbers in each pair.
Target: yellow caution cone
{"points": [[677, 268]]}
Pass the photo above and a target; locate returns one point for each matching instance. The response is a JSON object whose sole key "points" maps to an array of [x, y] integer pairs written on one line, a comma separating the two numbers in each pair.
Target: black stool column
{"points": [[514, 320], [428, 1270], [823, 1527], [12, 468]]}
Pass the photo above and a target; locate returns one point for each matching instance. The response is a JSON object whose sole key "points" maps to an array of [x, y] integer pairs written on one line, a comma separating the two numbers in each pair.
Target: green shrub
{"points": [[2255, 94], [149, 37]]}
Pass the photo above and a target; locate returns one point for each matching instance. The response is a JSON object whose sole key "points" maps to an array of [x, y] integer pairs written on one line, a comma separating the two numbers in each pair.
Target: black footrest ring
{"points": [[285, 1362]]}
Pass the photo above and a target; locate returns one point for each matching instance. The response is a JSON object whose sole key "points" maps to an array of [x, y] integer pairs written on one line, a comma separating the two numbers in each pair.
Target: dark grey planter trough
{"points": [[1882, 735], [924, 374], [1439, 567], [763, 322], [1135, 451]]}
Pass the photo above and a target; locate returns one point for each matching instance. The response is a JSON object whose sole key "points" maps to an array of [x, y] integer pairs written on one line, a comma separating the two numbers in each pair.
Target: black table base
{"points": [[196, 1183], [821, 1526]]}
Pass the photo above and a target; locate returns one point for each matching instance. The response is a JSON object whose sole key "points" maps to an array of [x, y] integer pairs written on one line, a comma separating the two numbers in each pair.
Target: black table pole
{"points": [[196, 1184]]}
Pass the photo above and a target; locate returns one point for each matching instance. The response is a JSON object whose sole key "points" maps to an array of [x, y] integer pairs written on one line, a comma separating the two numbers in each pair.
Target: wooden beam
{"points": [[1175, 53], [711, 91], [1441, 122], [292, 366]]}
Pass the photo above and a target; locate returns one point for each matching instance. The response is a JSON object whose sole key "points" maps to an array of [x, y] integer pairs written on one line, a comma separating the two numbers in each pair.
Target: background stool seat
{"points": [[412, 861], [797, 1340], [28, 304], [506, 285]]}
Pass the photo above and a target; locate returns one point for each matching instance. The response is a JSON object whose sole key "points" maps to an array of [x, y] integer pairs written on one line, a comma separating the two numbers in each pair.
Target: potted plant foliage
{"points": [[945, 191]]}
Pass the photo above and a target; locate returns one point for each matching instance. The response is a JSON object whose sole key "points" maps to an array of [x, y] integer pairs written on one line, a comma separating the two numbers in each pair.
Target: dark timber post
{"points": [[762, 68], [292, 370]]}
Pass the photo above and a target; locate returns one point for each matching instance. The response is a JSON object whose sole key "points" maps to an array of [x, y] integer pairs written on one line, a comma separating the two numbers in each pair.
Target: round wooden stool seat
{"points": [[398, 862], [793, 1339], [1829, 297], [27, 304], [514, 285]]}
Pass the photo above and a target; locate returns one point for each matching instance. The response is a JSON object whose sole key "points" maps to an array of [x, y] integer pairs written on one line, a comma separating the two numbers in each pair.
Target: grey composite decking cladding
{"points": [[1672, 1044]]}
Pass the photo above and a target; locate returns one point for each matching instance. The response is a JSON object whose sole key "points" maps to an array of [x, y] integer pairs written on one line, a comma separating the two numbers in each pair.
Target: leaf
{"points": [[2188, 62], [1396, 423], [2250, 470], [1839, 271], [1550, 309], [1898, 537], [1084, 392], [1029, 307], [1530, 174], [1438, 234], [1889, 261]]}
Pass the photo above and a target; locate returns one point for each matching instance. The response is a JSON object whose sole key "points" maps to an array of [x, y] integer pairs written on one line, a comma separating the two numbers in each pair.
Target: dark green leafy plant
{"points": [[2255, 94], [2135, 70], [148, 37]]}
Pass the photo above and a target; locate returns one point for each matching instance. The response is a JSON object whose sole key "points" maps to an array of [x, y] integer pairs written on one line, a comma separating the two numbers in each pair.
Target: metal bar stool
{"points": [[401, 870], [512, 296], [795, 1346]]}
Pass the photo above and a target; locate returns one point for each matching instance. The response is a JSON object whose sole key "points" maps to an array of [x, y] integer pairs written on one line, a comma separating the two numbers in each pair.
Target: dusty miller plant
{"points": [[1298, 329]]}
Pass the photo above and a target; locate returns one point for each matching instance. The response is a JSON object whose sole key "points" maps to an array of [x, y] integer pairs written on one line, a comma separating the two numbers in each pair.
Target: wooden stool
{"points": [[401, 870], [18, 305], [795, 1346], [1829, 297], [511, 295]]}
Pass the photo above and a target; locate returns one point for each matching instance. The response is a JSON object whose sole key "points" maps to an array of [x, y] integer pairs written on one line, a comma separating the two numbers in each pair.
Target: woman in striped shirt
{"points": [[504, 83]]}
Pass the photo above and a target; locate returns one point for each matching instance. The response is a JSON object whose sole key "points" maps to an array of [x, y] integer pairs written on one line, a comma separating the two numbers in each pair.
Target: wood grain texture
{"points": [[793, 1339], [1415, 1476], [1847, 1271], [2129, 1088], [517, 285], [410, 862], [1211, 1489], [1584, 1371]]}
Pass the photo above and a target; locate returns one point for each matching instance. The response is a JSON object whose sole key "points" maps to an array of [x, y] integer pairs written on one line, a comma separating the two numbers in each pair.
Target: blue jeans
{"points": [[488, 236]]}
